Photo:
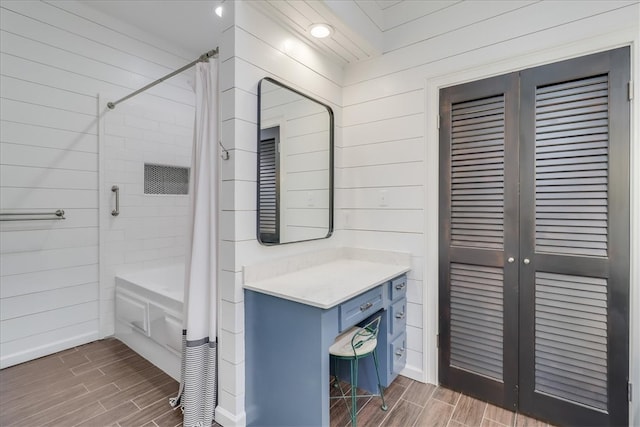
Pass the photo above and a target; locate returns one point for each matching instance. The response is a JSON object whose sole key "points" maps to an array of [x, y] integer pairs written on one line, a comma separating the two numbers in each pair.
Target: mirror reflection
{"points": [[295, 166]]}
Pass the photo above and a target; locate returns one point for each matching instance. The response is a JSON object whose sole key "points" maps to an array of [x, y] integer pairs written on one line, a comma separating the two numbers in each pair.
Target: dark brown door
{"points": [[534, 254], [479, 208]]}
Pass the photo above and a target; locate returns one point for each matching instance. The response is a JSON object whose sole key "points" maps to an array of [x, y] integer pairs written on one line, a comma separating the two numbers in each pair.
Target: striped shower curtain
{"points": [[197, 394]]}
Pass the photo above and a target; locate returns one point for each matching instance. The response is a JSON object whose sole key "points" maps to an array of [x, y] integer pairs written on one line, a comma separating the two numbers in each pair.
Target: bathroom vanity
{"points": [[292, 318]]}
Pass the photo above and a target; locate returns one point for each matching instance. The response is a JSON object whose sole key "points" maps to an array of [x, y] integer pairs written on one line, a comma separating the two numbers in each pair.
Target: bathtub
{"points": [[148, 315]]}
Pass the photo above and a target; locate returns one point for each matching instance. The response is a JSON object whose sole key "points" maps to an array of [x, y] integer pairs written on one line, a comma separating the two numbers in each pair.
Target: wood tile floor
{"points": [[105, 383], [414, 404]]}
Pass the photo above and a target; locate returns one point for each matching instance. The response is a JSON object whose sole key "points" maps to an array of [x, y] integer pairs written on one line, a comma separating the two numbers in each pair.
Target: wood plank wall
{"points": [[55, 58], [254, 47]]}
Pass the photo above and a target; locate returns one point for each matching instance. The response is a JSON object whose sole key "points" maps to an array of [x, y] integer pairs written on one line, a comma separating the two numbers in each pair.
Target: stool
{"points": [[354, 344]]}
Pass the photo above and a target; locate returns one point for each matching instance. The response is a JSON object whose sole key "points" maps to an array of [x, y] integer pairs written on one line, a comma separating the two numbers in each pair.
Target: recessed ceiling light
{"points": [[320, 31]]}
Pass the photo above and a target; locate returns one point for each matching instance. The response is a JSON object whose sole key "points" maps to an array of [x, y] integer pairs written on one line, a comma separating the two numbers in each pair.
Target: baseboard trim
{"points": [[414, 374], [227, 419], [47, 349]]}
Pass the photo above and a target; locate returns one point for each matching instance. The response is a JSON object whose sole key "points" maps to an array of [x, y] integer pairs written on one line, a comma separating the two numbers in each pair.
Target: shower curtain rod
{"points": [[204, 57]]}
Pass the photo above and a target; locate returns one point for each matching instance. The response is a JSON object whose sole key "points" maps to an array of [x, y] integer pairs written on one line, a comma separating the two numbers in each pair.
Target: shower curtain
{"points": [[197, 394]]}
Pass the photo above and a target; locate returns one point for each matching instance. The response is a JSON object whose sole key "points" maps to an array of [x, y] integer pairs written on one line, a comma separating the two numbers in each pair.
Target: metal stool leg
{"points": [[375, 360], [354, 387]]}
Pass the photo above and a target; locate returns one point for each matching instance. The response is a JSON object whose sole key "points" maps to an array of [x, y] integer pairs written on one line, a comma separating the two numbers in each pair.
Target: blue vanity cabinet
{"points": [[397, 330], [287, 351]]}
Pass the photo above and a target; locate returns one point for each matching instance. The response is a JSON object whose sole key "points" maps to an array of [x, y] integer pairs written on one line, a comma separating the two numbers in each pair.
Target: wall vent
{"points": [[162, 179]]}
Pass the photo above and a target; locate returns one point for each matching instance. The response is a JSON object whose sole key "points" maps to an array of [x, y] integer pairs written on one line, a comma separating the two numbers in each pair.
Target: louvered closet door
{"points": [[479, 210], [575, 236], [534, 240]]}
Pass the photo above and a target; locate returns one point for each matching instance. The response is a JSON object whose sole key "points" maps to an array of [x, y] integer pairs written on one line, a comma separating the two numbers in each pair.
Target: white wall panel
{"points": [[35, 93], [41, 281], [37, 198], [257, 48], [13, 307], [62, 38], [25, 134], [63, 337], [88, 67], [39, 157], [405, 127], [398, 151], [55, 57], [393, 175], [400, 105], [38, 177], [22, 112], [384, 240], [409, 197], [25, 326], [91, 24], [447, 19], [36, 240], [25, 262], [393, 220]]}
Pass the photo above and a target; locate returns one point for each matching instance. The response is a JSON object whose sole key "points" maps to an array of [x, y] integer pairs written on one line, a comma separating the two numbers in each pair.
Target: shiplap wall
{"points": [[388, 194], [254, 47], [55, 58]]}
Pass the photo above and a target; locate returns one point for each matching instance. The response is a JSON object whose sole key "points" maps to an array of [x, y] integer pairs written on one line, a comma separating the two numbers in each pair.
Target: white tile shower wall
{"points": [[388, 194], [254, 47], [55, 57], [151, 229]]}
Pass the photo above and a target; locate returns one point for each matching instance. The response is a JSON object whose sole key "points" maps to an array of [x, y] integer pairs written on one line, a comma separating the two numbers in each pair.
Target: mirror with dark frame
{"points": [[295, 166]]}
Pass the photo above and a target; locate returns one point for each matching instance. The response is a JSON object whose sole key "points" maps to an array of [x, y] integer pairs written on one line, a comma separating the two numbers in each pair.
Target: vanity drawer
{"points": [[398, 316], [398, 353], [398, 287], [360, 307]]}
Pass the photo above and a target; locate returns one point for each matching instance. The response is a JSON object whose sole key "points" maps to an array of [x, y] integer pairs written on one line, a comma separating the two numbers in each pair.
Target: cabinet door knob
{"points": [[400, 352], [526, 261], [400, 315], [400, 286], [510, 259]]}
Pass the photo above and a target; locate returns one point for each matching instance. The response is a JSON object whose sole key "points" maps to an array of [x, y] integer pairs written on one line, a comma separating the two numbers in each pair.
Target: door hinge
{"points": [[629, 391], [629, 90], [438, 340], [438, 119]]}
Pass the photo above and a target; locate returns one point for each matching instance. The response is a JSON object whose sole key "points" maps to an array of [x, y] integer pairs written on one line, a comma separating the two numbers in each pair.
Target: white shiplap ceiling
{"points": [[359, 25], [345, 45]]}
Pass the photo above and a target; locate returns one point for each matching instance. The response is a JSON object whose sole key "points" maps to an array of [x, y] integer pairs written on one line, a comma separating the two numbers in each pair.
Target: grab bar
{"points": [[58, 214], [116, 190]]}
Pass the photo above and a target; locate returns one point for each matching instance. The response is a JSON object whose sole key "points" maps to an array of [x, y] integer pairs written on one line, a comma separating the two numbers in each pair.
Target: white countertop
{"points": [[328, 284]]}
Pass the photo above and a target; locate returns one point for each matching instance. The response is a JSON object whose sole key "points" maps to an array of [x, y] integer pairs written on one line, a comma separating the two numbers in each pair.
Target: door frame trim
{"points": [[432, 86]]}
